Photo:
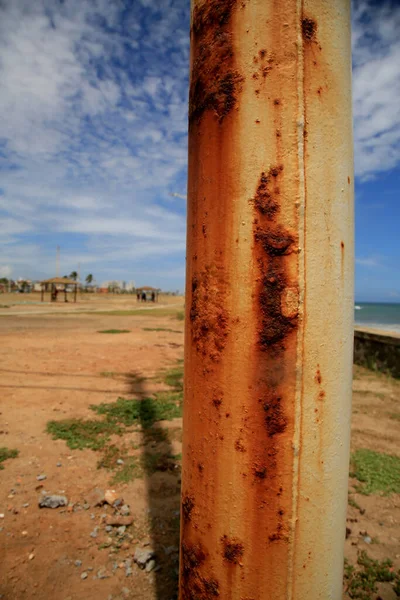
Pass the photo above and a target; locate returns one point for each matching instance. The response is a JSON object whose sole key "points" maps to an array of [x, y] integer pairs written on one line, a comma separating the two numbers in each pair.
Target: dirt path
{"points": [[55, 368]]}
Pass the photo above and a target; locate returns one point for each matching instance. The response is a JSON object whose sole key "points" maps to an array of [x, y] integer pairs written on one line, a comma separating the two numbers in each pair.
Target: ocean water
{"points": [[379, 316]]}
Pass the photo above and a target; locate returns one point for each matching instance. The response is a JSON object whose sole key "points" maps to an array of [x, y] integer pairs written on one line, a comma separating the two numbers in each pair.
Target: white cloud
{"points": [[376, 87], [93, 124], [368, 262]]}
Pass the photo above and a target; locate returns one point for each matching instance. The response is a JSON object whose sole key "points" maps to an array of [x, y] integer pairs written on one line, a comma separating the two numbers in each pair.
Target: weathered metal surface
{"points": [[269, 301]]}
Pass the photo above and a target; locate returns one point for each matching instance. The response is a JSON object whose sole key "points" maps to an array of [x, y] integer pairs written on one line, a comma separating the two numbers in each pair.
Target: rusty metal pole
{"points": [[269, 329]]}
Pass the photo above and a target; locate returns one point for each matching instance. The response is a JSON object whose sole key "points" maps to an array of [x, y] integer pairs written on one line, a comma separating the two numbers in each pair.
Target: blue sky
{"points": [[93, 138]]}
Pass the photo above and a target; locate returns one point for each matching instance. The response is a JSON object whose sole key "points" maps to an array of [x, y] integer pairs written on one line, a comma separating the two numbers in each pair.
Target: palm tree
{"points": [[89, 279], [74, 275]]}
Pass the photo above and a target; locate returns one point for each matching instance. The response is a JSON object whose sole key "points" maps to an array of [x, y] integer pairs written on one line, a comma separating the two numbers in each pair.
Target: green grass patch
{"points": [[394, 416], [81, 433], [161, 329], [180, 315], [130, 470], [5, 454], [174, 378], [107, 374], [114, 331], [361, 580], [144, 412], [116, 419], [377, 472], [110, 457]]}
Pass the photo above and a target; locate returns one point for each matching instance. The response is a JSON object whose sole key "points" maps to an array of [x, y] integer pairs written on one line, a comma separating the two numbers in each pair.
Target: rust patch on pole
{"points": [[215, 83], [261, 436]]}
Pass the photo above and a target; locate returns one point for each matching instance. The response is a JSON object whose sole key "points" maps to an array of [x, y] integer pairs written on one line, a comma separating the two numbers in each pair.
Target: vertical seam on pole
{"points": [[300, 126]]}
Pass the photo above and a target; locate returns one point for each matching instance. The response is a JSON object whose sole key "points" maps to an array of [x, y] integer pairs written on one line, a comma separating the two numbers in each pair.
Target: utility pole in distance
{"points": [[269, 297]]}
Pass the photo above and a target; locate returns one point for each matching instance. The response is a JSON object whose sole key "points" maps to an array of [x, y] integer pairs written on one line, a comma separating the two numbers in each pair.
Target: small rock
{"points": [[52, 501], [125, 510], [41, 477], [120, 461], [86, 506], [102, 574], [125, 591], [24, 533], [78, 563], [90, 569], [150, 566], [117, 520], [348, 532], [367, 539], [95, 532], [59, 464], [31, 556], [25, 505], [1, 515], [142, 557], [110, 497], [121, 530], [118, 502], [109, 528], [84, 575], [92, 516], [96, 497], [128, 567]]}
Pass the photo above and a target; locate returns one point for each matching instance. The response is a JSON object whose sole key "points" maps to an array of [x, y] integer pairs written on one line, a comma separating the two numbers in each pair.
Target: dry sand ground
{"points": [[54, 366]]}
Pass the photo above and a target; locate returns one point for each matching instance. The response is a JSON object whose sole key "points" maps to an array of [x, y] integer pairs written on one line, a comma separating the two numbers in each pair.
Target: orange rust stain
{"points": [[275, 420], [187, 508], [309, 29], [217, 401], [233, 550], [260, 471], [348, 180], [194, 584], [215, 83], [239, 446], [265, 70], [318, 376], [262, 53], [342, 258], [209, 320], [265, 200], [277, 102]]}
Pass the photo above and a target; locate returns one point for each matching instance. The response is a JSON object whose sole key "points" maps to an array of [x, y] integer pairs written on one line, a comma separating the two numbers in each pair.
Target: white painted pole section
{"points": [[269, 300]]}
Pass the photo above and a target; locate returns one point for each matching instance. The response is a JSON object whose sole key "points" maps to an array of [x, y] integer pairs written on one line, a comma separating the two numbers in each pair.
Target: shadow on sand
{"points": [[162, 473]]}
